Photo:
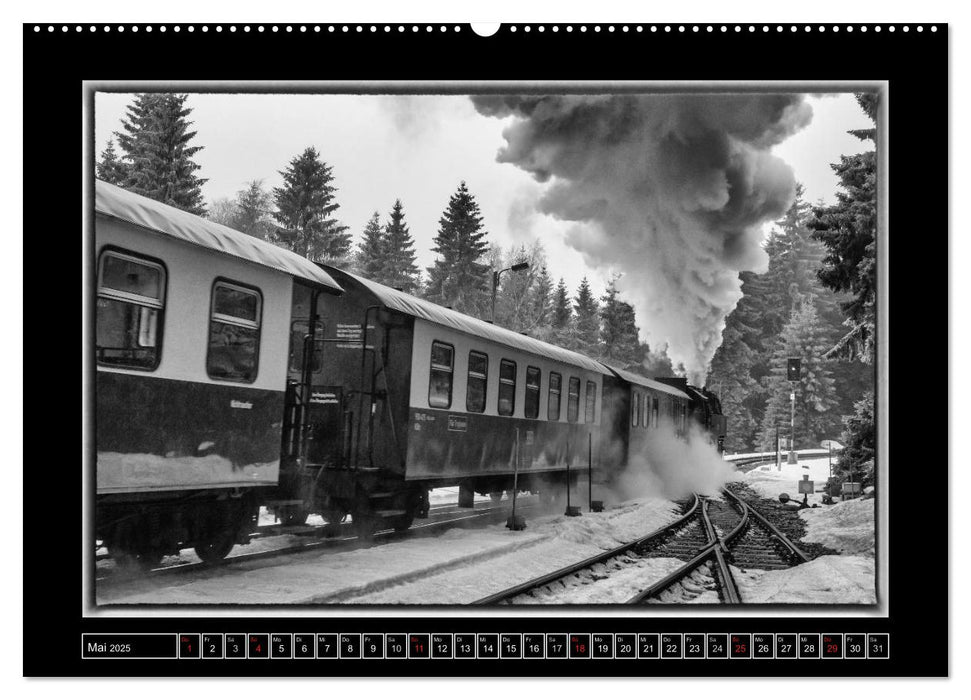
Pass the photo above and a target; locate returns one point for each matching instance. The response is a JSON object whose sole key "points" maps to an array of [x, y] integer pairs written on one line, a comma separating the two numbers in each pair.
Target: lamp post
{"points": [[518, 267]]}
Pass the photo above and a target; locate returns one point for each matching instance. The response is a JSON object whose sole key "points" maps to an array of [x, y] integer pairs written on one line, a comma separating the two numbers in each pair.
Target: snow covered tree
{"points": [[803, 337], [848, 231], [253, 211], [369, 258], [398, 268], [587, 320], [159, 164], [459, 278], [857, 459], [110, 167], [222, 211], [519, 302], [562, 316], [541, 303], [619, 334], [305, 207]]}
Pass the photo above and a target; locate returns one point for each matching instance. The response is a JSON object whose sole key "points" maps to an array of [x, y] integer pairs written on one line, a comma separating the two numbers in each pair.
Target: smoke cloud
{"points": [[673, 468], [672, 189]]}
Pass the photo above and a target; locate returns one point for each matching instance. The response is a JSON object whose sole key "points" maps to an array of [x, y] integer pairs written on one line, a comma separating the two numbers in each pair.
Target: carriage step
{"points": [[389, 513]]}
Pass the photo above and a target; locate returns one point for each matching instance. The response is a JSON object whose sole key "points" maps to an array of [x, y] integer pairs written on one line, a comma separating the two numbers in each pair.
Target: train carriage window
{"points": [[573, 400], [440, 376], [654, 412], [645, 418], [130, 305], [475, 396], [507, 387], [590, 408], [553, 403], [635, 409], [533, 380], [234, 332]]}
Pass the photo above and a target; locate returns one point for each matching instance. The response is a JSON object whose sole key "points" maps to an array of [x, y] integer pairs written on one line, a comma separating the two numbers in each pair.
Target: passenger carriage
{"points": [[232, 374], [192, 323], [410, 395]]}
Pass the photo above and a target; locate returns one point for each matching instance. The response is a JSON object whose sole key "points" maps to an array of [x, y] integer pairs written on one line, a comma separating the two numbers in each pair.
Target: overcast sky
{"points": [[418, 149]]}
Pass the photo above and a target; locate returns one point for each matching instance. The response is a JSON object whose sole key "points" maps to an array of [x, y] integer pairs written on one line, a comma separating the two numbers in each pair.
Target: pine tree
{"points": [[856, 461], [587, 320], [541, 301], [305, 205], [370, 251], [398, 268], [155, 139], [619, 334], [562, 317], [802, 337], [458, 278], [110, 168], [253, 211], [848, 231]]}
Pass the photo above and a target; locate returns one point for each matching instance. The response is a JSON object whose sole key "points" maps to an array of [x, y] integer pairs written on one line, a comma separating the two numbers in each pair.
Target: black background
{"points": [[56, 63]]}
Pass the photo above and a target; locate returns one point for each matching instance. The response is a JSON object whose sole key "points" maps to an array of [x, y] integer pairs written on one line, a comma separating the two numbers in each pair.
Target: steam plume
{"points": [[673, 190]]}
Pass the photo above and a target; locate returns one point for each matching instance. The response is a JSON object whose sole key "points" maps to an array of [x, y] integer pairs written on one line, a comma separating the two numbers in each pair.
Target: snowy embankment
{"points": [[457, 566], [846, 527]]}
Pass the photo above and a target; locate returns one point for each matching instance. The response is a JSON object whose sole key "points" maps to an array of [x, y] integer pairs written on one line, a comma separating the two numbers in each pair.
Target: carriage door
{"points": [[314, 410]]}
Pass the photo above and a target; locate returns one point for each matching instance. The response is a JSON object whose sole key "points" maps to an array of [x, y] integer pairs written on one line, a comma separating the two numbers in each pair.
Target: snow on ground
{"points": [[847, 527], [770, 482], [457, 566], [828, 580], [565, 541]]}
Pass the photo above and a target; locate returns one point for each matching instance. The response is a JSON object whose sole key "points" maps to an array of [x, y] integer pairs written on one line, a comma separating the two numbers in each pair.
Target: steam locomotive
{"points": [[232, 374]]}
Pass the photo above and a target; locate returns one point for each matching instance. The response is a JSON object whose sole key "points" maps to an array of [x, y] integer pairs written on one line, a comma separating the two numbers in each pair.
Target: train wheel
{"points": [[495, 497], [402, 522], [365, 524], [214, 549], [130, 552], [334, 516], [293, 516]]}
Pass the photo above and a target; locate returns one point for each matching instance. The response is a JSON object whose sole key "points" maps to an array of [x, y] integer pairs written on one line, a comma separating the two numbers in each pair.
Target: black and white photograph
{"points": [[554, 350], [530, 345]]}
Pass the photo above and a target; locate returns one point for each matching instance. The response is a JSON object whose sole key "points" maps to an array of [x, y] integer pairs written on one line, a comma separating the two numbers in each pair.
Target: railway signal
{"points": [[793, 370]]}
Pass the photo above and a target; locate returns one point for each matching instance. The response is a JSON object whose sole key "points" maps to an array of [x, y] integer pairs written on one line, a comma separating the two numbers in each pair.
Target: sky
{"points": [[419, 148]]}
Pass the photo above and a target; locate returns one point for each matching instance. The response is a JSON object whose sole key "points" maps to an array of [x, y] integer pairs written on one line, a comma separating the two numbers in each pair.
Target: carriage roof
{"points": [[118, 203], [647, 383], [433, 313]]}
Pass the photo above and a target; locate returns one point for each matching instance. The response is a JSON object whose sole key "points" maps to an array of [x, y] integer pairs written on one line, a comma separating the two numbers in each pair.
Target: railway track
{"points": [[710, 536], [440, 517]]}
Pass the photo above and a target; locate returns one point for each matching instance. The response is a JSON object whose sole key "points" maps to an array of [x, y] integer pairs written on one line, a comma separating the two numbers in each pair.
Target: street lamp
{"points": [[518, 267]]}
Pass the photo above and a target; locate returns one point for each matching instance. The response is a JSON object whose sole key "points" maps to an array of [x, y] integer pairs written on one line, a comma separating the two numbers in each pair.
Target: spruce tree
{"points": [[110, 167], [541, 301], [398, 268], [370, 251], [155, 139], [587, 320], [305, 207], [459, 278], [619, 334], [253, 211], [562, 316], [802, 337], [848, 229]]}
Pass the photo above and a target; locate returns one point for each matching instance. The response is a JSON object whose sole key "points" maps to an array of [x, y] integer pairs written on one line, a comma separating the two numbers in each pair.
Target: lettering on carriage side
{"points": [[458, 423], [323, 397], [234, 403], [350, 336], [423, 418]]}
